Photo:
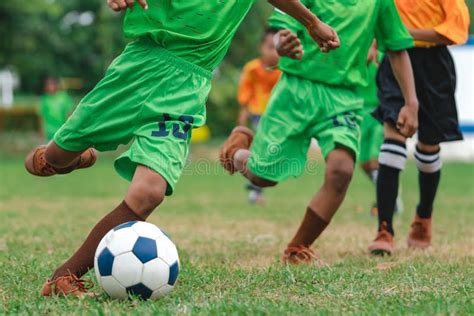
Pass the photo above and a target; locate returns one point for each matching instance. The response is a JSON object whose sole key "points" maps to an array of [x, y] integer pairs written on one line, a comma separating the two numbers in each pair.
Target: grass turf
{"points": [[229, 250]]}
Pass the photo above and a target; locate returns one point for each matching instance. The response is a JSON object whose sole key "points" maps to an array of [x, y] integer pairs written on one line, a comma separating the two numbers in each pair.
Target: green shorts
{"points": [[371, 137], [298, 111], [148, 97]]}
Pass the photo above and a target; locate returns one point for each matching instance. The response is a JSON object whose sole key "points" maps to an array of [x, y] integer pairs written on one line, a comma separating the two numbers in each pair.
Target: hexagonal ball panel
{"points": [[155, 274], [127, 269], [122, 241], [113, 288]]}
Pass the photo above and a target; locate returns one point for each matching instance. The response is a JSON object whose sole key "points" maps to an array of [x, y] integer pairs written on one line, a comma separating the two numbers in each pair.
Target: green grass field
{"points": [[230, 250]]}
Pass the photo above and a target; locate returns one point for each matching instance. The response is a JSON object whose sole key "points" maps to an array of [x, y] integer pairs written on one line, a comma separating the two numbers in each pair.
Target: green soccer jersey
{"points": [[357, 23], [54, 110], [199, 31]]}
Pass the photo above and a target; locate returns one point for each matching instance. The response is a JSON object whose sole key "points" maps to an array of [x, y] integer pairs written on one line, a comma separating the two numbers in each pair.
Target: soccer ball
{"points": [[136, 259]]}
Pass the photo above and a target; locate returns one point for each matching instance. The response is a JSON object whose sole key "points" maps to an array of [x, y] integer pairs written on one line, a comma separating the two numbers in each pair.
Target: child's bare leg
{"points": [[145, 193], [323, 206], [325, 203]]}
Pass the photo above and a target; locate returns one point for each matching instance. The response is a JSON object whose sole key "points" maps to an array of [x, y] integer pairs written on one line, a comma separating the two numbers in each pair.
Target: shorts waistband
{"points": [[168, 56]]}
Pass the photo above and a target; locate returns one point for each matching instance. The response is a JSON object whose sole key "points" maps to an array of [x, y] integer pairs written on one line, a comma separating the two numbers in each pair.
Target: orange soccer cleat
{"points": [[420, 233], [67, 285], [383, 243], [300, 255]]}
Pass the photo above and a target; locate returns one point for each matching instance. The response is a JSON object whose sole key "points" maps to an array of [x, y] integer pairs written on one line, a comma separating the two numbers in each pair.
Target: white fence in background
{"points": [[464, 60]]}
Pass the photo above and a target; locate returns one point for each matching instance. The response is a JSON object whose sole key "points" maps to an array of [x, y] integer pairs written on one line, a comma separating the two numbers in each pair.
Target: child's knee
{"points": [[143, 198], [339, 177], [339, 174], [146, 192]]}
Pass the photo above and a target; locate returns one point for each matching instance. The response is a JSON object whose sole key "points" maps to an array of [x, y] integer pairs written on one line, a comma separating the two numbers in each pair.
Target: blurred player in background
{"points": [[152, 95], [371, 128], [317, 97], [55, 107], [256, 84], [434, 24]]}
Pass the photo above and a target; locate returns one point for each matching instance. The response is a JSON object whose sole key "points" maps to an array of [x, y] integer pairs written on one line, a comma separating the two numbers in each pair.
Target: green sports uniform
{"points": [[154, 93], [54, 110], [318, 96], [371, 129]]}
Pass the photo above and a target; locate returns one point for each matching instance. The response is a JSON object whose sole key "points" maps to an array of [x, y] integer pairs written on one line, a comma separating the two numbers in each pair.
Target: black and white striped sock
{"points": [[429, 176], [392, 159]]}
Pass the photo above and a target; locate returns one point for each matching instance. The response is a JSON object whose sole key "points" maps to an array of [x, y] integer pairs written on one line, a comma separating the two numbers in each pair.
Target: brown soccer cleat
{"points": [[36, 164], [300, 255], [240, 138], [383, 243], [67, 285], [420, 234]]}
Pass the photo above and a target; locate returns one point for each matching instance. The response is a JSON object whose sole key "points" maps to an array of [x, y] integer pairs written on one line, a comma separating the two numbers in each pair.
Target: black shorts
{"points": [[435, 79]]}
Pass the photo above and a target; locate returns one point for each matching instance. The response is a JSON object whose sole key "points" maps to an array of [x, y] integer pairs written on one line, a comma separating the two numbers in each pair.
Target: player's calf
{"points": [[392, 161], [321, 209], [428, 162]]}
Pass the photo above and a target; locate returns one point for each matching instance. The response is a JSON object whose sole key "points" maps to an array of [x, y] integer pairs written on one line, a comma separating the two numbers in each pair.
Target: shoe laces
{"points": [[301, 252], [383, 233], [46, 166], [80, 285]]}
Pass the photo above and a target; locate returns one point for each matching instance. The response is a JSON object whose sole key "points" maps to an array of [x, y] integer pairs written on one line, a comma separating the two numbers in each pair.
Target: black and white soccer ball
{"points": [[136, 259]]}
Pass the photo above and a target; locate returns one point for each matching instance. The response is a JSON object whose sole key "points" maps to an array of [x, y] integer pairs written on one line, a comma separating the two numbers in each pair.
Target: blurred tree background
{"points": [[79, 38]]}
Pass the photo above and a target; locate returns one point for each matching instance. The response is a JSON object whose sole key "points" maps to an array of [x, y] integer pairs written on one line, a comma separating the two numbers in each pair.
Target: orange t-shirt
{"points": [[256, 85], [449, 18]]}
